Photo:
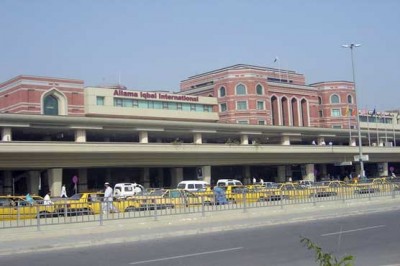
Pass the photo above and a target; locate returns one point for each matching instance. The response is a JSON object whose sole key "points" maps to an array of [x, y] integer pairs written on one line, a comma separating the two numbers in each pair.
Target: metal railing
{"points": [[20, 214]]}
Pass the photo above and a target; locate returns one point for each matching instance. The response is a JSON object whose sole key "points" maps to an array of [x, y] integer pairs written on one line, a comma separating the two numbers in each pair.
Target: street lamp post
{"points": [[351, 46]]}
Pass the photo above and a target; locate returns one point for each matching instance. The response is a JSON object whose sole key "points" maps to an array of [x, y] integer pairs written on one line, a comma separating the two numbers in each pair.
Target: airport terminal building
{"points": [[238, 122]]}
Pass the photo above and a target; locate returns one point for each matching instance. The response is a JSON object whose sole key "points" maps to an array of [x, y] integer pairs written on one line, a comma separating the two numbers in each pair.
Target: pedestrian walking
{"points": [[63, 192], [47, 200], [108, 199]]}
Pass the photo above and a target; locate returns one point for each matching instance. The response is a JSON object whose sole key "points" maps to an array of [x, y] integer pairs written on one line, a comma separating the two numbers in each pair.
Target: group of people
{"points": [[322, 143]]}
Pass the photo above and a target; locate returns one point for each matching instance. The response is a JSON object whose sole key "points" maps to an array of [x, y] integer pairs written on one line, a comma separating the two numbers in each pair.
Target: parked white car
{"points": [[228, 182], [123, 190], [193, 185]]}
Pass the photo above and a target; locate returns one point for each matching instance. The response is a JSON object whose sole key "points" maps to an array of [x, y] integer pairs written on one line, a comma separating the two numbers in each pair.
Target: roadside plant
{"points": [[326, 259]]}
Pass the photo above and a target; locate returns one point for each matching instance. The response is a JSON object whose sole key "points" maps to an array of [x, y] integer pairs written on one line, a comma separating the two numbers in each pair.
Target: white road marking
{"points": [[185, 256], [354, 230]]}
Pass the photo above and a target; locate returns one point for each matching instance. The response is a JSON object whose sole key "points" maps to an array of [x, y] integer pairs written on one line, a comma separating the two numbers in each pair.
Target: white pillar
{"points": [[383, 169], [80, 135], [285, 140], [197, 138], [143, 137], [353, 141], [206, 173], [33, 182], [281, 174], [244, 139], [381, 142], [176, 176], [6, 134], [55, 181], [309, 172], [82, 180]]}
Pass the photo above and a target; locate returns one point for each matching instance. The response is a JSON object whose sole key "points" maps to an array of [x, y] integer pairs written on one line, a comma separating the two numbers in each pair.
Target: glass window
{"points": [[222, 92], [100, 100], [172, 106], [150, 104], [192, 107], [337, 126], [335, 112], [335, 99], [118, 102], [164, 105], [243, 122], [207, 108], [259, 89], [349, 99], [50, 105], [320, 113], [240, 89], [260, 105], [261, 122], [241, 105], [135, 103], [179, 106], [223, 107], [319, 100], [127, 103]]}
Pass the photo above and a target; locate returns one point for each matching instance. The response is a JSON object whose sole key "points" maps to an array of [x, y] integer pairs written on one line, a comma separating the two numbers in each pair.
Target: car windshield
{"points": [[76, 196]]}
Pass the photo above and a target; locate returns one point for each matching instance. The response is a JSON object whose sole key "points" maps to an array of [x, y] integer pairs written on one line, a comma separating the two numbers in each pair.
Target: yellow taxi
{"points": [[21, 207], [171, 198]]}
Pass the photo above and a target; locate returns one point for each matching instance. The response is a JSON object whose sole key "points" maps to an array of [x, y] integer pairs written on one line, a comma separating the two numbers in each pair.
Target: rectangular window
{"points": [[179, 106], [335, 112], [243, 122], [135, 103], [320, 113], [222, 107], [192, 107], [150, 104], [241, 105], [207, 108], [337, 126], [165, 105], [118, 102], [127, 103], [260, 105], [261, 122], [100, 100]]}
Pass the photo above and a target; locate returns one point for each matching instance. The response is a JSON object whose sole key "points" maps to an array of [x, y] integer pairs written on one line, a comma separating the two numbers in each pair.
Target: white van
{"points": [[228, 182], [193, 185], [122, 190]]}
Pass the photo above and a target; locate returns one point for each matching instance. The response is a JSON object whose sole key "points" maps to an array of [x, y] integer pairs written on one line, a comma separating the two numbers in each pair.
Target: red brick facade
{"points": [[26, 94], [283, 97]]}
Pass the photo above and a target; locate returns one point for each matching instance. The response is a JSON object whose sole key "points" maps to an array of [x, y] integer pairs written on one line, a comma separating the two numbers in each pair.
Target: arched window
{"points": [[319, 100], [259, 89], [335, 99], [349, 99], [240, 89], [222, 92], [50, 105]]}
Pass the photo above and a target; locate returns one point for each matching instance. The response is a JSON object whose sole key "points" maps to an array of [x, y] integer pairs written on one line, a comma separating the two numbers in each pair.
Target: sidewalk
{"points": [[29, 239]]}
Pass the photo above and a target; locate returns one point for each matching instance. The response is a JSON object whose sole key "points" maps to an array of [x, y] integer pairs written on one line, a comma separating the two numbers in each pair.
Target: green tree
{"points": [[326, 259]]}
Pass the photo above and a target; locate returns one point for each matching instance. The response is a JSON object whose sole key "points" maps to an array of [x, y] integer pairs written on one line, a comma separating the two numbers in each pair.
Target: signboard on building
{"points": [[365, 158], [155, 95]]}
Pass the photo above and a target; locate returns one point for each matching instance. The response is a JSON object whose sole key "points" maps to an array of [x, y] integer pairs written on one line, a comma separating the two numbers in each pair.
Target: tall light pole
{"points": [[351, 46]]}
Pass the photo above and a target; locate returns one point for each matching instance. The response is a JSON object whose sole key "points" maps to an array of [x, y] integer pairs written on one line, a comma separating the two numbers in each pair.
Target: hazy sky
{"points": [[153, 45]]}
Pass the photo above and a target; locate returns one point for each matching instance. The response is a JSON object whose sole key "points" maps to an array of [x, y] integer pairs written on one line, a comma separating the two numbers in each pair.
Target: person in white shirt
{"points": [[108, 199], [63, 192], [47, 200]]}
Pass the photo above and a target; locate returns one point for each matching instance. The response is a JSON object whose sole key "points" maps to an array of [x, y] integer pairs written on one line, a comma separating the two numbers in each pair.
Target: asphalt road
{"points": [[373, 239]]}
